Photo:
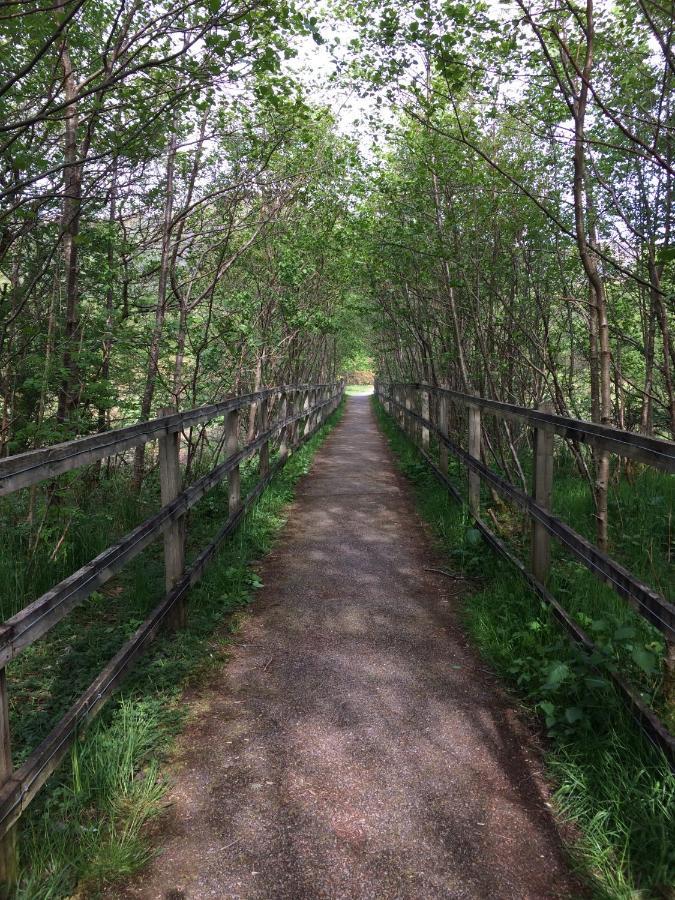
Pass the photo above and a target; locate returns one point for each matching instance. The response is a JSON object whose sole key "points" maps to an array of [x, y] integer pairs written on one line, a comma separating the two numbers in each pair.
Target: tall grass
{"points": [[609, 780], [86, 827]]}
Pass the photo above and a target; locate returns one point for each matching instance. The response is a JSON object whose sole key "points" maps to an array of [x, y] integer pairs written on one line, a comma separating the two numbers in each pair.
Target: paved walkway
{"points": [[354, 746]]}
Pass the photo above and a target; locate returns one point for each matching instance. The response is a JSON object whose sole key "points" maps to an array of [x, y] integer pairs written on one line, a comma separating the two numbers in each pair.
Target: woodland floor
{"points": [[354, 746]]}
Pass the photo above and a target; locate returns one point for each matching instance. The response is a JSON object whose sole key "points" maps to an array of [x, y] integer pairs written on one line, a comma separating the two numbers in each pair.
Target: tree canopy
{"points": [[182, 214]]}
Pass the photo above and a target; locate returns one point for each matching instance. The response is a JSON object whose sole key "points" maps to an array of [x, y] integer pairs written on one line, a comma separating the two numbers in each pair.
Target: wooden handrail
{"points": [[33, 466], [651, 451]]}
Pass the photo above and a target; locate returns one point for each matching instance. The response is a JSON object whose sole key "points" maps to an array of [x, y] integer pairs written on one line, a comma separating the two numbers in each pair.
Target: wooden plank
{"points": [[655, 452], [283, 413], [543, 486], [409, 423], [24, 469], [264, 452], [424, 410], [475, 452], [29, 468], [174, 541], [8, 844], [443, 428], [306, 409], [231, 448]]}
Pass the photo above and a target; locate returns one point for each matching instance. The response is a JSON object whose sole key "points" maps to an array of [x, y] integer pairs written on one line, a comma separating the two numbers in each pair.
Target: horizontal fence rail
{"points": [[28, 468], [302, 411], [398, 400], [640, 447]]}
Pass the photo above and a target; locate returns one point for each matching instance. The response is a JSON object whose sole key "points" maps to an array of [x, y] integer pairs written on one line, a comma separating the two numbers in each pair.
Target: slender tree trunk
{"points": [[177, 389], [662, 318], [160, 309], [70, 224], [583, 209], [104, 413], [449, 289]]}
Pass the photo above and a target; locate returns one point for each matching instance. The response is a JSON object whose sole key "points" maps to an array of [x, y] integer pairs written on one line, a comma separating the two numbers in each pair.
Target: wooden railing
{"points": [[288, 415], [412, 407]]}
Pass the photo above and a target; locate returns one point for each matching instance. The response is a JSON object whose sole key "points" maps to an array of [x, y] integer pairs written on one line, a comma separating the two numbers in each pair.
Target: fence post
{"points": [[284, 411], [174, 544], [320, 413], [443, 409], [231, 447], [264, 452], [300, 406], [669, 673], [293, 409], [305, 408], [323, 397], [415, 426], [541, 492], [474, 450], [9, 856], [424, 411], [408, 420]]}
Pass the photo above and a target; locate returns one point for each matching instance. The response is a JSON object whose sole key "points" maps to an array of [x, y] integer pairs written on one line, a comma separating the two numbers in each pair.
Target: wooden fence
{"points": [[422, 409], [287, 415]]}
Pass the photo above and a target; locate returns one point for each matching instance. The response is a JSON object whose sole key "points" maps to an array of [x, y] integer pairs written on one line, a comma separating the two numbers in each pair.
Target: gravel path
{"points": [[354, 746]]}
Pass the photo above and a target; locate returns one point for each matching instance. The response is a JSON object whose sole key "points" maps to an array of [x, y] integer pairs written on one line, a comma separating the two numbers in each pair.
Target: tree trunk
{"points": [[583, 208], [70, 224], [103, 413], [662, 318], [160, 310]]}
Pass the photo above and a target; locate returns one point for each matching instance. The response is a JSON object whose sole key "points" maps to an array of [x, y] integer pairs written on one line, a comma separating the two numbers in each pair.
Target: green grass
{"points": [[608, 778], [86, 827], [358, 390]]}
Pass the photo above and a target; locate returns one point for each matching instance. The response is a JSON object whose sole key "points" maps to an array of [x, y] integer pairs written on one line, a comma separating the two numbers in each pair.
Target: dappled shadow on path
{"points": [[354, 746]]}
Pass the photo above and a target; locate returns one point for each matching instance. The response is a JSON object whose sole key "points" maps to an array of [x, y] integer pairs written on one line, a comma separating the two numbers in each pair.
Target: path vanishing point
{"points": [[354, 745]]}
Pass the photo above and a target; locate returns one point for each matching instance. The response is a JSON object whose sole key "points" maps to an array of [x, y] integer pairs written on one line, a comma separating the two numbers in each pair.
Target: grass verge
{"points": [[86, 828], [609, 779]]}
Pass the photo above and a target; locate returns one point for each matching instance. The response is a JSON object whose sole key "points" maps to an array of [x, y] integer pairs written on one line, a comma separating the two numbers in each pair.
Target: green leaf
{"points": [[644, 660], [473, 537], [557, 673], [623, 632], [665, 255]]}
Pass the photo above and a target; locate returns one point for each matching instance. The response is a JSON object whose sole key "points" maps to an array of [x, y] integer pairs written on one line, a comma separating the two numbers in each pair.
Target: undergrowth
{"points": [[86, 827], [609, 780]]}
